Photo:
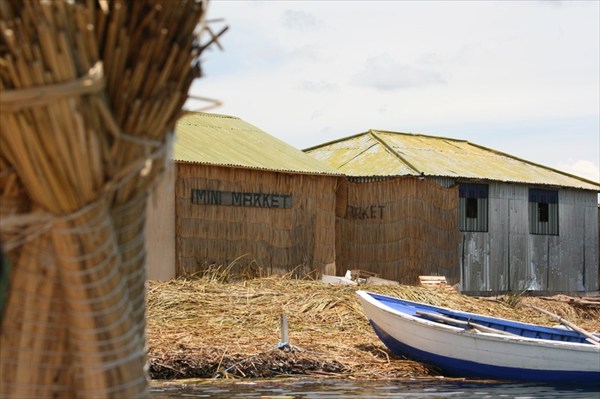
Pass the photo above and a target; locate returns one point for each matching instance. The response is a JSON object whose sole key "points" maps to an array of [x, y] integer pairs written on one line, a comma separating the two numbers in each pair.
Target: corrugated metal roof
{"points": [[381, 153], [229, 141]]}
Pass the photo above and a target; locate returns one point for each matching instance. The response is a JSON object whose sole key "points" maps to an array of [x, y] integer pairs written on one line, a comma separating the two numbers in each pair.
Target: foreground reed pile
{"points": [[90, 92], [204, 328]]}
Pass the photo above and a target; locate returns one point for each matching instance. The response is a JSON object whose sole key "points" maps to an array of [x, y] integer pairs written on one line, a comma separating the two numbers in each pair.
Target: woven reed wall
{"points": [[278, 240], [399, 228]]}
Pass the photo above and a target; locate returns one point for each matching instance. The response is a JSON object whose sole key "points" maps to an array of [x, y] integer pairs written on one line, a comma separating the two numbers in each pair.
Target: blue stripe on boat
{"points": [[514, 327], [463, 368]]}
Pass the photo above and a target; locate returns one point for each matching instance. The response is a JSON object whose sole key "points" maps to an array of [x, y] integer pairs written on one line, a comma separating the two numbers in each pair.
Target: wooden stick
{"points": [[214, 37], [464, 323], [590, 337]]}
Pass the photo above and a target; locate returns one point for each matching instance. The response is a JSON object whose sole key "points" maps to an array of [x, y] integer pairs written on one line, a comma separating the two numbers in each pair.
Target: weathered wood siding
{"points": [[160, 228], [278, 240], [508, 258], [398, 228]]}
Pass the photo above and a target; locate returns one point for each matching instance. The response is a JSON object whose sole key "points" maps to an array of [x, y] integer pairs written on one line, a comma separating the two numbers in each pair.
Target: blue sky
{"points": [[521, 77]]}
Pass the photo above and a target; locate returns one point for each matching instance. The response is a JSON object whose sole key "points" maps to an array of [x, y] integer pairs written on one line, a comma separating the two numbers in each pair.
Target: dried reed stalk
{"points": [[63, 138], [13, 201], [152, 59], [35, 358], [56, 150]]}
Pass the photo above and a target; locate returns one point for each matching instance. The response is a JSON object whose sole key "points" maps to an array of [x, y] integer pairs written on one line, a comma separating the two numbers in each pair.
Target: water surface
{"points": [[330, 389]]}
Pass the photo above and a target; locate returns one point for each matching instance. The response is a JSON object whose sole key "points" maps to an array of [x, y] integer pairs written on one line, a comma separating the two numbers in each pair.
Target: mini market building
{"points": [[237, 198]]}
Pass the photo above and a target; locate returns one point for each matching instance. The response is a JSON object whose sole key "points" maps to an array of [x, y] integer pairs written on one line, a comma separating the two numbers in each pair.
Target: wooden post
{"points": [[590, 337]]}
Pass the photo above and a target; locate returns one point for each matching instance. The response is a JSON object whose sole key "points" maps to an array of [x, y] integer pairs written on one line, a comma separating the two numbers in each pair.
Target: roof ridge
{"points": [[335, 141], [380, 131], [387, 147], [354, 157], [420, 135]]}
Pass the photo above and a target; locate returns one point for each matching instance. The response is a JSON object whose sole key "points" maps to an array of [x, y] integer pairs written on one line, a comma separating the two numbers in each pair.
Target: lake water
{"points": [[330, 389]]}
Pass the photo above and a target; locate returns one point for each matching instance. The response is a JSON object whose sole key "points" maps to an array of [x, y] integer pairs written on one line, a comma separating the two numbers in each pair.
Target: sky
{"points": [[522, 77]]}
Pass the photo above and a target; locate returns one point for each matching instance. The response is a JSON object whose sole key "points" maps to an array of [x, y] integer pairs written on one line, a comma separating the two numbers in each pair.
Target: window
{"points": [[543, 211], [473, 207]]}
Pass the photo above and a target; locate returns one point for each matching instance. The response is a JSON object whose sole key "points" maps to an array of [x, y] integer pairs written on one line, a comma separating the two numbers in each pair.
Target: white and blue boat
{"points": [[469, 345]]}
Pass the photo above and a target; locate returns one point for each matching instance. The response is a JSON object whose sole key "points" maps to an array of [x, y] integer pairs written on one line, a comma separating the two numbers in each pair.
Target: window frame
{"points": [[543, 204], [473, 197]]}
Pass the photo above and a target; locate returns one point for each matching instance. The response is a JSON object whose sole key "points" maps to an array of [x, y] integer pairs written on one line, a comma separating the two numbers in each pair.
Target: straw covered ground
{"points": [[207, 328]]}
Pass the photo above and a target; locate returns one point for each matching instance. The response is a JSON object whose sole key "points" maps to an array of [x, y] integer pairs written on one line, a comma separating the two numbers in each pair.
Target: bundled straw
{"points": [[147, 89], [88, 99]]}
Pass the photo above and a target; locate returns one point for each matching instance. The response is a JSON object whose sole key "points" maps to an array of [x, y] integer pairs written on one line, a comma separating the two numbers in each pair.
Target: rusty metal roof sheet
{"points": [[382, 153], [229, 141]]}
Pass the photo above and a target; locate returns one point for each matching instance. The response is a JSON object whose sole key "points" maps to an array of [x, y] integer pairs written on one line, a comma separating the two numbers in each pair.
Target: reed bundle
{"points": [[241, 328], [90, 91]]}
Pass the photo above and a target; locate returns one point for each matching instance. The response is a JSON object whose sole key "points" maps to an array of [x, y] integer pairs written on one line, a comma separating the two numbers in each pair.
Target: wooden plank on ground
{"points": [[433, 280]]}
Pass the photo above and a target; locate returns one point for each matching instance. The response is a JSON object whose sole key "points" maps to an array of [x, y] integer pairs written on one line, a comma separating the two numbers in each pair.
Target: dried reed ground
{"points": [[202, 328]]}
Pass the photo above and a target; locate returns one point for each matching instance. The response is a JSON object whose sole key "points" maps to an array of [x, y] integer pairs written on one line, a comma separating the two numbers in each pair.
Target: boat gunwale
{"points": [[516, 339]]}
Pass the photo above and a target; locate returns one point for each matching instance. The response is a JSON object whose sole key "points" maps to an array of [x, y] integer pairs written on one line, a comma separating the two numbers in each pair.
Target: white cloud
{"points": [[582, 168], [522, 77], [384, 73], [317, 87], [300, 20], [553, 3]]}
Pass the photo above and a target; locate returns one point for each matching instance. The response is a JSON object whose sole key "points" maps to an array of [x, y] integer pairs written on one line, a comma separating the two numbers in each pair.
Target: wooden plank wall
{"points": [[278, 240], [160, 227], [508, 258], [400, 228], [578, 251]]}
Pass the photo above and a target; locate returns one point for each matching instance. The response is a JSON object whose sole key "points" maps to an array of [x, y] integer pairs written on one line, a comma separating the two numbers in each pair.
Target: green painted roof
{"points": [[223, 140], [382, 153]]}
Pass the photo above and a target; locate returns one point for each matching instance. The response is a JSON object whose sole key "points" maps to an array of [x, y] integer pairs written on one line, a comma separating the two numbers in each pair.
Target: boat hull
{"points": [[457, 352]]}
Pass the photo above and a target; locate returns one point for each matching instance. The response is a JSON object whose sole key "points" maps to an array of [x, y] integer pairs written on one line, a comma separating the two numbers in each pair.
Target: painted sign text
{"points": [[235, 198], [365, 212]]}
